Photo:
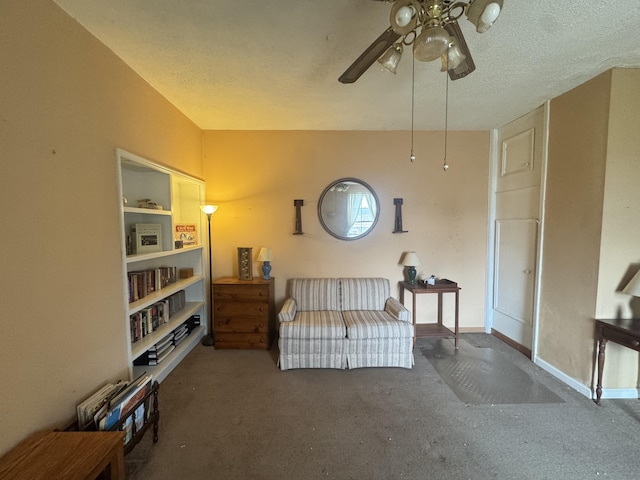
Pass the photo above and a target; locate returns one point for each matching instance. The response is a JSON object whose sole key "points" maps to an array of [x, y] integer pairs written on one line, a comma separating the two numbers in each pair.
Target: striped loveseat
{"points": [[343, 323]]}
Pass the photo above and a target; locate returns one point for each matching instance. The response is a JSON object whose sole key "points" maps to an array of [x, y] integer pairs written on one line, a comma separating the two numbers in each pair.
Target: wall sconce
{"points": [[265, 256], [411, 261], [397, 226], [298, 204]]}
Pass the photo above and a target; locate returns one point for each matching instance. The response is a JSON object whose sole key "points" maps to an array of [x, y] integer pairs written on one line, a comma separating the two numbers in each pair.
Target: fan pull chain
{"points": [[413, 84], [445, 166]]}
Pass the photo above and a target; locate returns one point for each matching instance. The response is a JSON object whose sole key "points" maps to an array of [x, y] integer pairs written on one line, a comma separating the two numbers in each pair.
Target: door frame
{"points": [[494, 159]]}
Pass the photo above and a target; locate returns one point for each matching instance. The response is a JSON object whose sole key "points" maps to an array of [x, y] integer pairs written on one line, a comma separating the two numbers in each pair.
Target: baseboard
{"points": [[522, 349], [563, 377], [472, 330]]}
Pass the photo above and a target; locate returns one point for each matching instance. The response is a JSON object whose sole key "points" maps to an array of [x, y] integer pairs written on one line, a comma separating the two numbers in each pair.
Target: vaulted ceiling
{"points": [[274, 65]]}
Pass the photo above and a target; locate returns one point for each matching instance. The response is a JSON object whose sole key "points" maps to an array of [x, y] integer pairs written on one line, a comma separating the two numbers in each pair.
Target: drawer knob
{"points": [[262, 309], [635, 343]]}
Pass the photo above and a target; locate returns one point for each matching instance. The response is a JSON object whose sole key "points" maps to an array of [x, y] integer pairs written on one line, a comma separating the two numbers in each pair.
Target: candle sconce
{"points": [[298, 204], [397, 227]]}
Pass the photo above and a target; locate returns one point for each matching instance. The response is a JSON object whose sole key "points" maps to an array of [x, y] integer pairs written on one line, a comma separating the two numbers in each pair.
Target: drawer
{"points": [[240, 292], [236, 324], [247, 309], [242, 340], [622, 338]]}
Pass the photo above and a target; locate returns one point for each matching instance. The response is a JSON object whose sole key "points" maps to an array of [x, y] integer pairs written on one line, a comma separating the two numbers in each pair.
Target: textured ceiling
{"points": [[274, 65]]}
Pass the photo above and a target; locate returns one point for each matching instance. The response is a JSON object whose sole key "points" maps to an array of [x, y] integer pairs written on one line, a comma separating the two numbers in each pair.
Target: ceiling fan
{"points": [[431, 28]]}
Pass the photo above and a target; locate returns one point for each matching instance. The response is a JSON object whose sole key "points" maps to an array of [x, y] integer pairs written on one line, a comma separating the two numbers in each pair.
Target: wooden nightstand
{"points": [[243, 313]]}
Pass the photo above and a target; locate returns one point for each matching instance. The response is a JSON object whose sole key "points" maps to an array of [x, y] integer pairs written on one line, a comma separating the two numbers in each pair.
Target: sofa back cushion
{"points": [[313, 294], [364, 293]]}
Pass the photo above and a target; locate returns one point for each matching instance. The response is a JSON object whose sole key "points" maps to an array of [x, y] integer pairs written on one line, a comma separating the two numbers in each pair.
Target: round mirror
{"points": [[348, 209]]}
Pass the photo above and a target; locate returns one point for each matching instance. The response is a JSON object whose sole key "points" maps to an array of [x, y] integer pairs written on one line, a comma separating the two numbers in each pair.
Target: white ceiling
{"points": [[274, 65]]}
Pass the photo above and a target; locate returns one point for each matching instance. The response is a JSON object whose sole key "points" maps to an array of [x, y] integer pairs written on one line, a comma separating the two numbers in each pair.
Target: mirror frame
{"points": [[328, 189]]}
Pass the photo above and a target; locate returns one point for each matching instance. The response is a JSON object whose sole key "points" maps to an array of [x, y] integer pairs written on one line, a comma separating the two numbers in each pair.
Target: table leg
{"points": [[413, 314], [457, 328], [602, 344]]}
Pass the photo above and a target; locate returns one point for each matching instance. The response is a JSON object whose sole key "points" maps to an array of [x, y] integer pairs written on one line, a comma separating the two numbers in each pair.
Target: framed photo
{"points": [[187, 233], [147, 237]]}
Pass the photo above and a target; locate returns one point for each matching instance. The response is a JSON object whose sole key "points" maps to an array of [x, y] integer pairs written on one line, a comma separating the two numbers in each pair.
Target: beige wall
{"points": [[66, 102], [255, 176], [591, 223]]}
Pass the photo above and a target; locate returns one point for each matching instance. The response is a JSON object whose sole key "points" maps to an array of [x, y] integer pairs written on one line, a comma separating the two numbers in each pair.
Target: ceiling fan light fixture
{"points": [[404, 16], [431, 44], [391, 57], [484, 13]]}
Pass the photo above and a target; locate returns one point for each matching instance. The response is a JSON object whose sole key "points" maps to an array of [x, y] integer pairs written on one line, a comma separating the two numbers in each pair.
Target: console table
{"points": [[433, 329], [623, 331], [69, 455]]}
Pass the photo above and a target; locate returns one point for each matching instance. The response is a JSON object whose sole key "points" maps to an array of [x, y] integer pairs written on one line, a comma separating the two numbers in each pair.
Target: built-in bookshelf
{"points": [[164, 276]]}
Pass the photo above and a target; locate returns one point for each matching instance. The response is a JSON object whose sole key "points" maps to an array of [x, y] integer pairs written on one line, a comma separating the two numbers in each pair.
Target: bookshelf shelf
{"points": [[180, 197]]}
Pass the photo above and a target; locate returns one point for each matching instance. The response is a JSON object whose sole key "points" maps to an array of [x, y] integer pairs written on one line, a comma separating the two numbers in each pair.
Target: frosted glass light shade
{"points": [[209, 209], [391, 57], [410, 259], [452, 58], [265, 255], [432, 43], [633, 287]]}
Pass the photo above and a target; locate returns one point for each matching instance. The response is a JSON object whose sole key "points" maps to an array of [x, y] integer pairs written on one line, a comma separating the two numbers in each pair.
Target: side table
{"points": [[623, 331], [433, 329], [69, 455]]}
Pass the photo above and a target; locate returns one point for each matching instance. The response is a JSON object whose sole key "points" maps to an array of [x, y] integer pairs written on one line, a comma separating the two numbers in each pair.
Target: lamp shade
{"points": [[633, 287], [410, 259], [265, 255], [431, 44], [209, 209], [391, 57]]}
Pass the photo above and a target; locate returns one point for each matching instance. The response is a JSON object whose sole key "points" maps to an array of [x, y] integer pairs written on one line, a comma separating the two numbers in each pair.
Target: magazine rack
{"points": [[152, 416]]}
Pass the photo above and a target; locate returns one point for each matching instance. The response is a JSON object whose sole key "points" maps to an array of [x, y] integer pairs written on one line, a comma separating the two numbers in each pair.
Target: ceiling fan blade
{"points": [[467, 66], [369, 56]]}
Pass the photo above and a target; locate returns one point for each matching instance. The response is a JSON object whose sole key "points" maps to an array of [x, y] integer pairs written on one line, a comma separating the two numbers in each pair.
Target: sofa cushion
{"points": [[319, 324], [375, 324], [311, 294], [364, 293]]}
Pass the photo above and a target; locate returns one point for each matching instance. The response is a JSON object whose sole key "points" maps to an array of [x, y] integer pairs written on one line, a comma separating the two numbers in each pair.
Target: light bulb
{"points": [[490, 13], [404, 15]]}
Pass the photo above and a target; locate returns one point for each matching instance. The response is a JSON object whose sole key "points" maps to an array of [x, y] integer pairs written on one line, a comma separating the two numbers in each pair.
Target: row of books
{"points": [[158, 352], [145, 321], [144, 282], [105, 409]]}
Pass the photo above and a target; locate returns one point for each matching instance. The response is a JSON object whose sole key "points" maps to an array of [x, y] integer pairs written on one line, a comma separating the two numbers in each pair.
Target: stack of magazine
{"points": [[113, 403], [180, 333], [156, 353]]}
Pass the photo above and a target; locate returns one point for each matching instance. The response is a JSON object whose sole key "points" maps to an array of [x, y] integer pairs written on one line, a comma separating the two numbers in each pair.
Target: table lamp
{"points": [[265, 256], [411, 260]]}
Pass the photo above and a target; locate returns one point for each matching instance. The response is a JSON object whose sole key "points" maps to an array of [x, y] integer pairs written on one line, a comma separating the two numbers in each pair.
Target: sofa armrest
{"points": [[398, 311], [288, 311]]}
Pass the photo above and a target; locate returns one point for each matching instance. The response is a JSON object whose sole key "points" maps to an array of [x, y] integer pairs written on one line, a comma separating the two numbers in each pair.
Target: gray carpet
{"points": [[483, 376], [229, 414]]}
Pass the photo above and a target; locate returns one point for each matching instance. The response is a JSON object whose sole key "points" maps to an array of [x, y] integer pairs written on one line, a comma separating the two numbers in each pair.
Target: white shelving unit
{"points": [[179, 197]]}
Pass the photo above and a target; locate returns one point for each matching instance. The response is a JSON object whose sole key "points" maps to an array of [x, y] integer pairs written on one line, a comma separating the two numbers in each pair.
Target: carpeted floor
{"points": [[229, 414]]}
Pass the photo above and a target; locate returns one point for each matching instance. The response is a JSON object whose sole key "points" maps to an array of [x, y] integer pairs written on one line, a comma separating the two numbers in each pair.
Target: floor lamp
{"points": [[208, 340]]}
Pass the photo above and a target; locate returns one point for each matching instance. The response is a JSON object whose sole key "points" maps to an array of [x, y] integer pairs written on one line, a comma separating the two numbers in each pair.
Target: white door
{"points": [[517, 217]]}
